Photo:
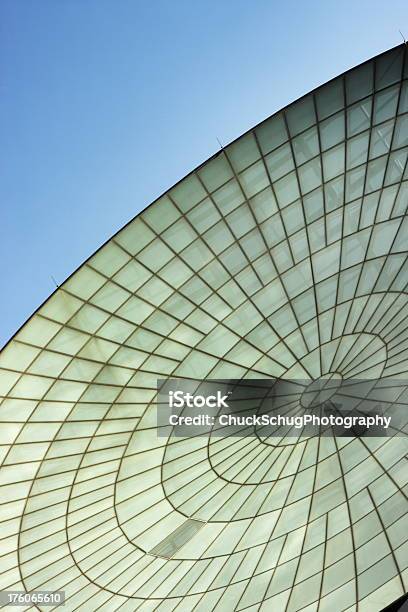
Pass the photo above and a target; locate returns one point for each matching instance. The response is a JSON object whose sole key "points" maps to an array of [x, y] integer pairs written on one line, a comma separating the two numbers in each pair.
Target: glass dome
{"points": [[284, 255]]}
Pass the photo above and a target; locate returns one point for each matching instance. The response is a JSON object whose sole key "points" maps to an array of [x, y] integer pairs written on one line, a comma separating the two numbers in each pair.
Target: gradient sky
{"points": [[104, 104]]}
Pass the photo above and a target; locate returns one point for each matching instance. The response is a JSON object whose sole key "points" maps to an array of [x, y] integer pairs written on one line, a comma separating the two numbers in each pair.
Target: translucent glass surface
{"points": [[284, 255]]}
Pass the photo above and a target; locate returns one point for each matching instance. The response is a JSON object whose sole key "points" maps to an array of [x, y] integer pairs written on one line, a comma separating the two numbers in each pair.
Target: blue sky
{"points": [[104, 104]]}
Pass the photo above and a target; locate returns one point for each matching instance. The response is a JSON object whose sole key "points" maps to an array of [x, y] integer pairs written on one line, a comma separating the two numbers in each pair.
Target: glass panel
{"points": [[173, 542], [359, 82], [333, 162], [330, 98], [310, 175], [300, 115], [203, 216], [401, 133], [385, 104], [358, 117], [179, 235], [381, 139], [332, 131], [188, 193], [357, 149], [388, 68], [306, 146], [280, 162], [215, 172], [228, 197], [254, 179], [286, 189], [271, 133], [161, 215], [243, 152]]}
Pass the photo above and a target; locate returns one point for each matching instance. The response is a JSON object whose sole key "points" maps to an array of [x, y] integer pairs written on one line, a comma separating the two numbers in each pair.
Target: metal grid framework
{"points": [[284, 255]]}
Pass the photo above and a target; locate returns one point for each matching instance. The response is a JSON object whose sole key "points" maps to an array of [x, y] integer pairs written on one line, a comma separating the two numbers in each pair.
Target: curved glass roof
{"points": [[284, 255]]}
